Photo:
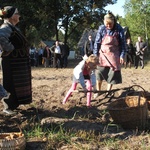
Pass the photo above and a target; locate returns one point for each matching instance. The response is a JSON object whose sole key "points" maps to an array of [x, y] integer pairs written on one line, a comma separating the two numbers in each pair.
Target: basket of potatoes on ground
{"points": [[12, 141]]}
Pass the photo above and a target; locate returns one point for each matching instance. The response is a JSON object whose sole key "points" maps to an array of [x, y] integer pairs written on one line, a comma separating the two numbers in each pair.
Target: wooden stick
{"points": [[103, 91], [95, 91]]}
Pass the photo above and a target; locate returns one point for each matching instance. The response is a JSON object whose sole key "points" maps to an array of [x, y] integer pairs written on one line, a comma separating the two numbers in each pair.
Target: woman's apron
{"points": [[109, 52]]}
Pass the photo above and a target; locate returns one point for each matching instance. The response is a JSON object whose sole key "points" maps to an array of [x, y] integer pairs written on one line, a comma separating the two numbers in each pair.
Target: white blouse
{"points": [[57, 50]]}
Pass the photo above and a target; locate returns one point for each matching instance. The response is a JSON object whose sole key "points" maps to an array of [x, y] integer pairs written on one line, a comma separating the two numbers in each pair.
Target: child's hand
{"points": [[94, 89], [85, 91]]}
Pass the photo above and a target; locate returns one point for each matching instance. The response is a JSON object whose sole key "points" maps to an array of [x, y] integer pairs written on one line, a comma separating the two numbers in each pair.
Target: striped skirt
{"points": [[17, 80]]}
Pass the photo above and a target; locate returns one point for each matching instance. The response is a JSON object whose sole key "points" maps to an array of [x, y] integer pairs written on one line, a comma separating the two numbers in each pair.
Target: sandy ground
{"points": [[49, 86]]}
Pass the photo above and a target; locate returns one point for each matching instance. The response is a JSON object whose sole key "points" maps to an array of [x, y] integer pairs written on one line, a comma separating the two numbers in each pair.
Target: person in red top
{"points": [[84, 73]]}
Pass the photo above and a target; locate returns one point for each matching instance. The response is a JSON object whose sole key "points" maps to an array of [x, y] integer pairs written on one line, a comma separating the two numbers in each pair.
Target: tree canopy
{"points": [[137, 18], [46, 19], [65, 20]]}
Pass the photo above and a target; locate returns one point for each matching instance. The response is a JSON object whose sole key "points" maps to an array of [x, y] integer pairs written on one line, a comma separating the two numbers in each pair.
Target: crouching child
{"points": [[84, 73]]}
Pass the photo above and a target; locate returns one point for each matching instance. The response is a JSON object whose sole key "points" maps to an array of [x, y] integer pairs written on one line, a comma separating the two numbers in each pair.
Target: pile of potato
{"points": [[10, 136]]}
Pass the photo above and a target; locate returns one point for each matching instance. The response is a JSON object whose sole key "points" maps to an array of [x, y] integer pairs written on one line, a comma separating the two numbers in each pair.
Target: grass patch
{"points": [[58, 137]]}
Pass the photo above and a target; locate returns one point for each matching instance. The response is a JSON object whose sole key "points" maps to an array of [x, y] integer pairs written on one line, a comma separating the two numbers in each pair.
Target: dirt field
{"points": [[49, 88]]}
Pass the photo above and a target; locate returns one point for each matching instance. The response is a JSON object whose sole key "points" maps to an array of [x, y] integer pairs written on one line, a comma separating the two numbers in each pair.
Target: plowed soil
{"points": [[49, 86]]}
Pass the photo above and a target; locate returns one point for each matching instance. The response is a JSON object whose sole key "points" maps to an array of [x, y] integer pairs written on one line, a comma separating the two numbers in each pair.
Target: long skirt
{"points": [[17, 81]]}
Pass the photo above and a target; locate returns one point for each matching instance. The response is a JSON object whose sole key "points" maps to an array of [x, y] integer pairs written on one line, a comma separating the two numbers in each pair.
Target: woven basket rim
{"points": [[14, 139], [127, 116], [18, 142], [15, 143], [135, 96], [110, 107]]}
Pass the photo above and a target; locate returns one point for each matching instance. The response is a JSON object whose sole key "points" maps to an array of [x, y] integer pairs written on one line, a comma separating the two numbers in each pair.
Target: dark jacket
{"points": [[65, 50], [87, 48], [45, 53]]}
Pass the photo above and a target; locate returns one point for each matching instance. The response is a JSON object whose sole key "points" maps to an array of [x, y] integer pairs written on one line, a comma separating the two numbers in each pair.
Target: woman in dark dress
{"points": [[16, 66]]}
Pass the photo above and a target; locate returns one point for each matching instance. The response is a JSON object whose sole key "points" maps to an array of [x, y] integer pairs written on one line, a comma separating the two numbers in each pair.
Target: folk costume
{"points": [[16, 66]]}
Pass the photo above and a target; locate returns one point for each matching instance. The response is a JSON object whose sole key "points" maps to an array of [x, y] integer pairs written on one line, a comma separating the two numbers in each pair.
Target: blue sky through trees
{"points": [[117, 8]]}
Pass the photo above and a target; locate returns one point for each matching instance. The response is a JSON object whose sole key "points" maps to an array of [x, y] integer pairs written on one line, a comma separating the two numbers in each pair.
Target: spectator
{"points": [[57, 50], [129, 57], [65, 54], [32, 56], [140, 49], [36, 58], [47, 56], [16, 66], [89, 46], [40, 52]]}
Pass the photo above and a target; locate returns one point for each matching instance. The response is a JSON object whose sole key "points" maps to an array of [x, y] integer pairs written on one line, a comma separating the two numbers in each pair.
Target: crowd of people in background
{"points": [[55, 56], [135, 53]]}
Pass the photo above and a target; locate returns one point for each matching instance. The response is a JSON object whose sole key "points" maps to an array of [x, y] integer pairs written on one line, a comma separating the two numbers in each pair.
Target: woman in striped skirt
{"points": [[16, 66]]}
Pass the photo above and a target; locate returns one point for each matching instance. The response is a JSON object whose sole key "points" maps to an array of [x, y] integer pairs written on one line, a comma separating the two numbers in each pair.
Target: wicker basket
{"points": [[130, 112], [143, 94], [135, 101], [147, 96], [18, 141], [13, 140]]}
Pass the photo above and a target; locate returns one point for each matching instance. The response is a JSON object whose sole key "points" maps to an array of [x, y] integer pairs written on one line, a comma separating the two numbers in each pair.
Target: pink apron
{"points": [[109, 52]]}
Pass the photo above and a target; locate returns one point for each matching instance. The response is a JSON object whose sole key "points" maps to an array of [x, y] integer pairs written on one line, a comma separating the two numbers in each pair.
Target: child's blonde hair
{"points": [[93, 59]]}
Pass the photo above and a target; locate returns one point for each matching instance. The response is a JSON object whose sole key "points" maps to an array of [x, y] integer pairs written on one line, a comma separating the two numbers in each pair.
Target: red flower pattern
{"points": [[4, 12]]}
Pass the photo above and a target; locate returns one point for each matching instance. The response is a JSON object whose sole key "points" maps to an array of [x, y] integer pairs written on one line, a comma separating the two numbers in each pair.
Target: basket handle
{"points": [[142, 93], [132, 87], [139, 97]]}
